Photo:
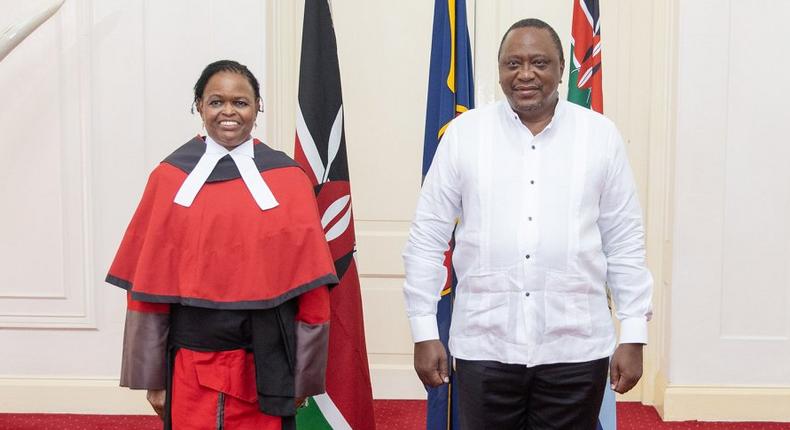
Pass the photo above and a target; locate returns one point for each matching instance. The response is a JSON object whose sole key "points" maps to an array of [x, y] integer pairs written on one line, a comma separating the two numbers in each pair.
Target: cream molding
{"points": [[14, 34], [726, 403], [70, 395]]}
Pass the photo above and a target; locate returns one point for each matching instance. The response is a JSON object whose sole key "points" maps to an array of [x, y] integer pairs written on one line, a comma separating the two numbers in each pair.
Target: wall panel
{"points": [[732, 199], [731, 286], [44, 247]]}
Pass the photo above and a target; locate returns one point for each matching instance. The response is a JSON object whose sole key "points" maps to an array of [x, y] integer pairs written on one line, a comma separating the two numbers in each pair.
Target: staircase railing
{"points": [[14, 34]]}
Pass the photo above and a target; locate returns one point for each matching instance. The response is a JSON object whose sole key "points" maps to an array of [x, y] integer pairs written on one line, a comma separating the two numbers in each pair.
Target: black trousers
{"points": [[566, 396]]}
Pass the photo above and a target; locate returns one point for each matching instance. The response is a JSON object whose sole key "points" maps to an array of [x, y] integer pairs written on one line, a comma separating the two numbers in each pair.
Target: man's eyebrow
{"points": [[232, 96]]}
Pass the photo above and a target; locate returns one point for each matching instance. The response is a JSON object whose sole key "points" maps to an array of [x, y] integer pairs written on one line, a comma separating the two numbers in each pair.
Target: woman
{"points": [[227, 272]]}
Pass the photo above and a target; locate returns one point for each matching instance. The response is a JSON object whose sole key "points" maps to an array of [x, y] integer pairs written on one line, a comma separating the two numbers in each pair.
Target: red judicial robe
{"points": [[223, 253]]}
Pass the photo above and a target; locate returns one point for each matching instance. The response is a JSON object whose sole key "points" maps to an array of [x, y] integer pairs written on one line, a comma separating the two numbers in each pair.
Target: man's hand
{"points": [[157, 400], [626, 367], [430, 362]]}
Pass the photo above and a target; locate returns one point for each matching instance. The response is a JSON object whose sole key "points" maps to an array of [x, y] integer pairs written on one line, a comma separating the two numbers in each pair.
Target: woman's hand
{"points": [[157, 400]]}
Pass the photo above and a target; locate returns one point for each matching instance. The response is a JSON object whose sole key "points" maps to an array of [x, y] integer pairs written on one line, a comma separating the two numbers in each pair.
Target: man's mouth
{"points": [[527, 90]]}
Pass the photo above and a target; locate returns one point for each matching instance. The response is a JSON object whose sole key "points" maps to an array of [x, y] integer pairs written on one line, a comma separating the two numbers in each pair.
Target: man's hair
{"points": [[534, 23]]}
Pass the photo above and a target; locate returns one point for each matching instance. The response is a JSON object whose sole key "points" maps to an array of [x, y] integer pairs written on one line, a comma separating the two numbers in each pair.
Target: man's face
{"points": [[530, 71]]}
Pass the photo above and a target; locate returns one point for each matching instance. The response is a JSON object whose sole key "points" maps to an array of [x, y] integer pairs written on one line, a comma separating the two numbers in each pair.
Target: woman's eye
{"points": [[241, 103], [214, 103]]}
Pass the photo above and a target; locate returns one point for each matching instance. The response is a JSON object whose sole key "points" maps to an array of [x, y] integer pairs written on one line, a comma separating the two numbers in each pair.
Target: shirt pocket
{"points": [[567, 300], [484, 305]]}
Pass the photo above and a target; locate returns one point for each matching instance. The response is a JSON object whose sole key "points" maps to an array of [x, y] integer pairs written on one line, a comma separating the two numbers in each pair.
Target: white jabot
{"points": [[243, 156]]}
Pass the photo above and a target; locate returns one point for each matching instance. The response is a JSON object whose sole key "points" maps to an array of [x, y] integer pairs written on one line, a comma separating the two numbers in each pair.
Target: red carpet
{"points": [[390, 415]]}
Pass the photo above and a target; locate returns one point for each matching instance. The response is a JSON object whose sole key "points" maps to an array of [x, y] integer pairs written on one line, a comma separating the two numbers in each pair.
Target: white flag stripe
{"points": [[334, 140], [331, 413], [308, 146], [340, 227], [587, 13], [333, 210], [597, 49], [584, 78]]}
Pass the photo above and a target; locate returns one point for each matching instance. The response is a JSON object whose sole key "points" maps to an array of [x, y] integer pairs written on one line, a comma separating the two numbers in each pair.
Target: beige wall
{"points": [[681, 81], [730, 332]]}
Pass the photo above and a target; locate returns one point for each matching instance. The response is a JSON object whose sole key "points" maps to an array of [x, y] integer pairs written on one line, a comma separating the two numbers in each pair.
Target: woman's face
{"points": [[228, 108]]}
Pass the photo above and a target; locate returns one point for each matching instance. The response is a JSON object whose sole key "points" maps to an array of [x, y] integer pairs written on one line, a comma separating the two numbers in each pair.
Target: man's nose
{"points": [[526, 73]]}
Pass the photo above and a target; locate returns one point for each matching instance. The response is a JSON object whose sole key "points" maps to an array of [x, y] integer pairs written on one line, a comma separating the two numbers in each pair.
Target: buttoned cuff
{"points": [[633, 330], [424, 328]]}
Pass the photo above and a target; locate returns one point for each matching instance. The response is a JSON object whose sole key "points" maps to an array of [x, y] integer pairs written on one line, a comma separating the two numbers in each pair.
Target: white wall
{"points": [[730, 329]]}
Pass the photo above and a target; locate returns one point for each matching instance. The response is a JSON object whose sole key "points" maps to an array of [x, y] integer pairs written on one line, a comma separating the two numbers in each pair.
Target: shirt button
{"points": [[532, 182], [527, 294], [533, 146], [527, 257], [529, 218]]}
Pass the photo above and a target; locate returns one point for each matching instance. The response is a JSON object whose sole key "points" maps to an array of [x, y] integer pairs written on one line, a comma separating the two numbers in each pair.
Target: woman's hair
{"points": [[225, 66]]}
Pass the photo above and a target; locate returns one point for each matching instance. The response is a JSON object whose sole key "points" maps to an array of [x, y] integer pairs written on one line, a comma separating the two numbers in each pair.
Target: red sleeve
{"points": [[314, 306]]}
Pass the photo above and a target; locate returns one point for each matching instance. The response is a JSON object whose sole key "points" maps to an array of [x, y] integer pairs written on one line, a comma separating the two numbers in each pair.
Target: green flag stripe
{"points": [[321, 413], [310, 417], [576, 95]]}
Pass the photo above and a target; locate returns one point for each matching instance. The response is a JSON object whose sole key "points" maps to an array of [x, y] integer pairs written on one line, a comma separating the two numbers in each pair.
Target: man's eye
{"points": [[241, 103], [541, 63]]}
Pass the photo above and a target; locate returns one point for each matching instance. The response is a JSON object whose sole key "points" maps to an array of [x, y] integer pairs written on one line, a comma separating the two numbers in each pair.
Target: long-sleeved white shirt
{"points": [[546, 222]]}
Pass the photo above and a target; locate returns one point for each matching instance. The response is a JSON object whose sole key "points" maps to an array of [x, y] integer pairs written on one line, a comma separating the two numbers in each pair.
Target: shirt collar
{"points": [[246, 148], [559, 113]]}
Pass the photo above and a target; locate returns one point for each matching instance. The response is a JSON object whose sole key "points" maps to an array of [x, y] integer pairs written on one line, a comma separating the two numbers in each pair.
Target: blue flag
{"points": [[450, 92]]}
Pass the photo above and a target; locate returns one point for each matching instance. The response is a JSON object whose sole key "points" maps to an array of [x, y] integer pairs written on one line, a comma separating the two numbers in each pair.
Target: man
{"points": [[548, 217]]}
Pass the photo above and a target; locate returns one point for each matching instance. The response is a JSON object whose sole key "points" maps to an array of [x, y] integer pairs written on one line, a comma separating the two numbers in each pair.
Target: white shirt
{"points": [[243, 156], [546, 222]]}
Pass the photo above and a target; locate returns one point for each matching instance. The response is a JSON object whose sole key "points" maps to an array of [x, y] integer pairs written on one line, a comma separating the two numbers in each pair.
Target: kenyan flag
{"points": [[321, 150], [584, 80]]}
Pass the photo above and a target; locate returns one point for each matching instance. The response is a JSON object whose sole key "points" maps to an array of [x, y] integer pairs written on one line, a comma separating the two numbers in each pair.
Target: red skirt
{"points": [[217, 390]]}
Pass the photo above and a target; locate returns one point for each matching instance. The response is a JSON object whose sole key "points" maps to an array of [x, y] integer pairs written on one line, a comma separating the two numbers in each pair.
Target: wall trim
{"points": [[726, 403], [104, 396], [283, 49], [70, 395], [396, 382]]}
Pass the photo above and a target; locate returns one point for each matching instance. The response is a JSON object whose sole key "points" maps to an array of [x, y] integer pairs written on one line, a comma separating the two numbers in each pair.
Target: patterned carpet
{"points": [[390, 415]]}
